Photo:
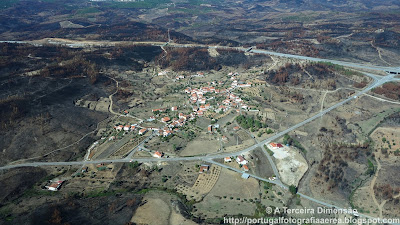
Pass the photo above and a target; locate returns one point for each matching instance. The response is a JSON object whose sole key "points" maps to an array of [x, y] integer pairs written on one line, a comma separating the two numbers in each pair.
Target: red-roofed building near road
{"points": [[273, 145], [245, 168], [174, 108], [55, 186], [241, 160], [119, 128], [210, 129], [236, 128], [158, 154], [227, 159], [142, 131], [204, 168], [165, 119]]}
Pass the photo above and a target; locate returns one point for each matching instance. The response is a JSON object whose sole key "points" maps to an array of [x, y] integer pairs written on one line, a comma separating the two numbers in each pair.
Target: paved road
{"points": [[377, 82], [134, 150], [271, 162], [374, 84], [277, 182], [312, 59], [81, 44]]}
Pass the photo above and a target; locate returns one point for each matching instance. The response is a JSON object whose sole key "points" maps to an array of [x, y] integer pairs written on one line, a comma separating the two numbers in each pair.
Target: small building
{"points": [[210, 129], [166, 133], [240, 159], [119, 128], [236, 128], [204, 168], [273, 145], [245, 176], [165, 119], [158, 154], [84, 169], [55, 186], [142, 131], [126, 128], [174, 108], [227, 159], [245, 168]]}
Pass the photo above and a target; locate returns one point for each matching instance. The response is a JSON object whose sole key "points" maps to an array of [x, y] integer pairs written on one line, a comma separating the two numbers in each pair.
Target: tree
{"points": [[293, 189]]}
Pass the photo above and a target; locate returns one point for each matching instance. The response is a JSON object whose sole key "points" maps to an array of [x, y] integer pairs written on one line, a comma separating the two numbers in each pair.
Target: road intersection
{"points": [[377, 81]]}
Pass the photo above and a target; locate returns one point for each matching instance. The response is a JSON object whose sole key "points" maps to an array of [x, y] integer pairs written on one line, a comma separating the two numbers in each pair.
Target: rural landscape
{"points": [[197, 111]]}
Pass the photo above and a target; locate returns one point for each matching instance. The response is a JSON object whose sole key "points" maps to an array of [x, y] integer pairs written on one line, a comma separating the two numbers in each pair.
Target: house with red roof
{"points": [[55, 186], [204, 168], [273, 145], [240, 159], [158, 154]]}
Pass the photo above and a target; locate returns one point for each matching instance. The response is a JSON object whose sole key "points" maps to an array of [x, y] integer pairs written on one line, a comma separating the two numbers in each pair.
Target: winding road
{"points": [[377, 81]]}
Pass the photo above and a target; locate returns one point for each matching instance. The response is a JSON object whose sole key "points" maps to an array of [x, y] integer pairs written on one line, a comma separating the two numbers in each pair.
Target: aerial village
{"points": [[199, 104], [170, 120]]}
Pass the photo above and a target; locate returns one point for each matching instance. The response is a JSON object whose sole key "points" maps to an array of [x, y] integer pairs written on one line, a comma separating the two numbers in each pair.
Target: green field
{"points": [[369, 125]]}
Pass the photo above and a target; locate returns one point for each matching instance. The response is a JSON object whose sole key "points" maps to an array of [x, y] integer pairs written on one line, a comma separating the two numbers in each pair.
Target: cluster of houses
{"points": [[130, 128], [236, 83], [231, 101], [172, 125], [196, 96], [240, 160]]}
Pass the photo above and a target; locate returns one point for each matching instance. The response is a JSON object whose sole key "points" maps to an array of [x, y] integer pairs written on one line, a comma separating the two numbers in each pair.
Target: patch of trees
{"points": [[123, 94], [11, 109], [300, 47], [389, 90], [288, 140], [293, 189], [386, 191], [340, 69], [77, 67], [387, 39], [282, 75], [231, 57], [249, 122], [334, 164], [192, 59], [296, 74], [360, 85], [320, 70]]}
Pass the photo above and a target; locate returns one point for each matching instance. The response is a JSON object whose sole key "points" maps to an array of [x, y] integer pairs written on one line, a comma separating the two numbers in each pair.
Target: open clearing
{"points": [[291, 165], [200, 146], [158, 209], [231, 194], [204, 184]]}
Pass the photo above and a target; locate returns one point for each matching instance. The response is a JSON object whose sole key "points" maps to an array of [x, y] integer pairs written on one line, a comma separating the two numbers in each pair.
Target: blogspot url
{"points": [[311, 220]]}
